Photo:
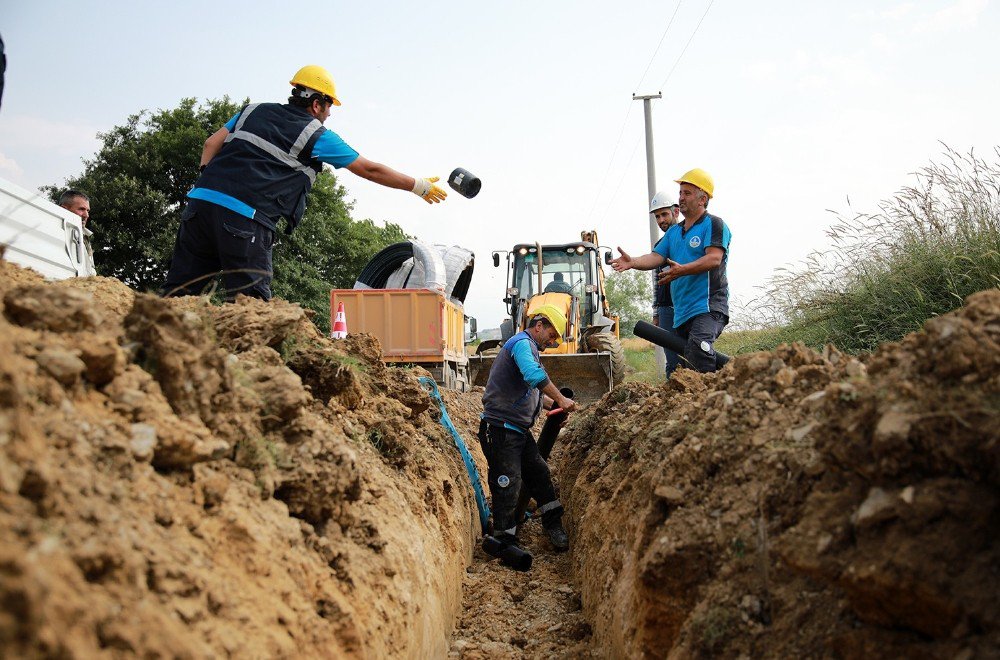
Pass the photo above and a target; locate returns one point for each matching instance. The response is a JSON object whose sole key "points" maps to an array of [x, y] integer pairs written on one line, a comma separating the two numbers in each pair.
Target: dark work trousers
{"points": [[212, 240], [513, 457], [700, 332], [665, 320]]}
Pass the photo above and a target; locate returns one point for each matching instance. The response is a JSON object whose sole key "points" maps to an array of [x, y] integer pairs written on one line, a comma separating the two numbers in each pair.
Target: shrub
{"points": [[919, 256]]}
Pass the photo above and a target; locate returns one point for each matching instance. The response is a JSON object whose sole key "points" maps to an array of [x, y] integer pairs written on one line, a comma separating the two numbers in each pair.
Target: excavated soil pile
{"points": [[798, 504], [183, 480]]}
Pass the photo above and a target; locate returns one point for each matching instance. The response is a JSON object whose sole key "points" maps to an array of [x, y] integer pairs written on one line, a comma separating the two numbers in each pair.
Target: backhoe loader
{"points": [[590, 359]]}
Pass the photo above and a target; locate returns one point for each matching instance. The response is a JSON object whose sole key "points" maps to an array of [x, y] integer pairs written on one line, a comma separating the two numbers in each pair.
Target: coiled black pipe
{"points": [[380, 268], [377, 271], [661, 337]]}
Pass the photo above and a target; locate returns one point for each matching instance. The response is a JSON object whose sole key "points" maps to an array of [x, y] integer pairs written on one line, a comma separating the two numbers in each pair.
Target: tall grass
{"points": [[920, 255]]}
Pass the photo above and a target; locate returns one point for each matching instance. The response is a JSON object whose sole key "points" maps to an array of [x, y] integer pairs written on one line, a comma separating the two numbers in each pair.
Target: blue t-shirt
{"points": [[709, 291], [534, 374], [329, 148]]}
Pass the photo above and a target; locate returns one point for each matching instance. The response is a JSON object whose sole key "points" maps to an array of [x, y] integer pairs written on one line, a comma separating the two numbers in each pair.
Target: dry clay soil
{"points": [[185, 480]]}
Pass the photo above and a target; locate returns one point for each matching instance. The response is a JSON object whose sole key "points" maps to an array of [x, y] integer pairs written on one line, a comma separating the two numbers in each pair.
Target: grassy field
{"points": [[642, 361], [918, 256]]}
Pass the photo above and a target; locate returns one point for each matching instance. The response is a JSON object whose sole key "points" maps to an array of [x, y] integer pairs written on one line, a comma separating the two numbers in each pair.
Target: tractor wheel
{"points": [[607, 342]]}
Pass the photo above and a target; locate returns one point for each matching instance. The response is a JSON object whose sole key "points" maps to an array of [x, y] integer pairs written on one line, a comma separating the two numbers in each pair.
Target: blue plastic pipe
{"points": [[470, 465]]}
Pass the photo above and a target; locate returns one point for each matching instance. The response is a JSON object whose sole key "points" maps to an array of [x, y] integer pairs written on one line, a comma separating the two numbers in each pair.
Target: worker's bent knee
{"points": [[700, 348]]}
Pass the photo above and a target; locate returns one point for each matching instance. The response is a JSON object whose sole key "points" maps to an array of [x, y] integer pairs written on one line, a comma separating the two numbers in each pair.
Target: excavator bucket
{"points": [[587, 374]]}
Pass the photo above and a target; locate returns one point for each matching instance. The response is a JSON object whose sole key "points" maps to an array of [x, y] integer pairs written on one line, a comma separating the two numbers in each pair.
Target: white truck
{"points": [[41, 235]]}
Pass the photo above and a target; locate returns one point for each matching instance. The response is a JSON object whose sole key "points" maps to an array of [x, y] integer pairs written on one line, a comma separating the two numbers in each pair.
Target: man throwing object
{"points": [[258, 168]]}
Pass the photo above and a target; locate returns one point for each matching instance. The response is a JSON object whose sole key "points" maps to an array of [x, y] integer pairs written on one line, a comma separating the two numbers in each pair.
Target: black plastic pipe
{"points": [[546, 440], [661, 337], [550, 430], [508, 554]]}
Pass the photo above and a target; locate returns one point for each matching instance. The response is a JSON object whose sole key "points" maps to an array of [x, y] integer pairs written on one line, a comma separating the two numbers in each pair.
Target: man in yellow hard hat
{"points": [[511, 403], [258, 168], [694, 253]]}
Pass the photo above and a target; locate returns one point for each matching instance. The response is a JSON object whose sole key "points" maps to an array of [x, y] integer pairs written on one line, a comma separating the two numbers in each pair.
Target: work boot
{"points": [[506, 549], [557, 536], [552, 524]]}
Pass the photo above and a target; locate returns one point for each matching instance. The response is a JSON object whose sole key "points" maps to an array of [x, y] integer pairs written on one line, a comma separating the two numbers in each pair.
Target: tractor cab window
{"points": [[564, 270]]}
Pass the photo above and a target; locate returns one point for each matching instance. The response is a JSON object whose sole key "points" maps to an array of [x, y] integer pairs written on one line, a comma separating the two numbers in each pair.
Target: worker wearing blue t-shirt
{"points": [[511, 402], [258, 168], [694, 254]]}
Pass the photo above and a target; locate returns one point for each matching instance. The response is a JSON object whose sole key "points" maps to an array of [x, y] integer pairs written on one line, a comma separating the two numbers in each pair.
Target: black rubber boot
{"points": [[506, 549]]}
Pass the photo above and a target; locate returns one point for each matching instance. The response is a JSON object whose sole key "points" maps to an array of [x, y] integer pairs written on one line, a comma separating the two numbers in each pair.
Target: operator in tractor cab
{"points": [[258, 168], [665, 210], [558, 285], [511, 402], [695, 254]]}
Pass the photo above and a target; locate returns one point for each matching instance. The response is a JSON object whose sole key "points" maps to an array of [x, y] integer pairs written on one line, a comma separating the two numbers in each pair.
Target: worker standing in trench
{"points": [[257, 168], [511, 403], [694, 253]]}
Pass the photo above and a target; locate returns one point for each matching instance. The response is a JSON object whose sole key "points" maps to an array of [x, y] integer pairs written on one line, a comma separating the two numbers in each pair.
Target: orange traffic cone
{"points": [[339, 323]]}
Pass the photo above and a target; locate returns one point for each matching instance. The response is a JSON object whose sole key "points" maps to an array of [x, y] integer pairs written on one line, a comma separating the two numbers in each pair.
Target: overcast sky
{"points": [[793, 107]]}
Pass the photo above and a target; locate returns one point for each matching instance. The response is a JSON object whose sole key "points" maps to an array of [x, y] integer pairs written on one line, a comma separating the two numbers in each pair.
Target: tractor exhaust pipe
{"points": [[661, 337]]}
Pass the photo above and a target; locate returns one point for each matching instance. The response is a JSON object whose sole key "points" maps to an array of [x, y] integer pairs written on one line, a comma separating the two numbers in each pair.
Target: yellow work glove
{"points": [[426, 189]]}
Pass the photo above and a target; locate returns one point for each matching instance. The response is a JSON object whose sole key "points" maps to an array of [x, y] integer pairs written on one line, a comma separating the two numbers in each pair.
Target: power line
{"points": [[662, 37], [611, 162], [622, 179], [621, 132], [664, 83]]}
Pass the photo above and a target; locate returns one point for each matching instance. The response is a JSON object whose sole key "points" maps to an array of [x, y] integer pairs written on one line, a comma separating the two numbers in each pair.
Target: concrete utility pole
{"points": [[661, 359]]}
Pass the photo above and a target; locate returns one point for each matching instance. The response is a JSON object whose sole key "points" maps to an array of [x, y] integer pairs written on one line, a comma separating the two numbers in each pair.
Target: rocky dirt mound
{"points": [[178, 479], [798, 504]]}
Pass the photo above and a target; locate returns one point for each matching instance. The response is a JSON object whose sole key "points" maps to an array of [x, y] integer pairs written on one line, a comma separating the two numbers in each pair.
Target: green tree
{"points": [[138, 181], [327, 250], [630, 297]]}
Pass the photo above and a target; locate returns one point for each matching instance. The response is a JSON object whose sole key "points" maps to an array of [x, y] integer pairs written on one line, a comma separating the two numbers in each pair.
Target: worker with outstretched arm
{"points": [[695, 253], [258, 168], [511, 402]]}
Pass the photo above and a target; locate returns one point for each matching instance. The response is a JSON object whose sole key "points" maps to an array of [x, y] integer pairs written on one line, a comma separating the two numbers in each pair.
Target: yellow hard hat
{"points": [[555, 316], [316, 77], [698, 178]]}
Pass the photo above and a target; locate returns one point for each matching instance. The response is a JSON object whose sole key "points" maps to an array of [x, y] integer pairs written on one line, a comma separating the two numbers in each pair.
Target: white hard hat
{"points": [[661, 200]]}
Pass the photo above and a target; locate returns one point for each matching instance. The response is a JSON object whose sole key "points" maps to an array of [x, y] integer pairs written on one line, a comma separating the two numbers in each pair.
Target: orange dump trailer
{"points": [[414, 326]]}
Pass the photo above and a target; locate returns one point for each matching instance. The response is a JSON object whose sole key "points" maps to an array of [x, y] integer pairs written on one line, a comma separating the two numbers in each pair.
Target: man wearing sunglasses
{"points": [[258, 168]]}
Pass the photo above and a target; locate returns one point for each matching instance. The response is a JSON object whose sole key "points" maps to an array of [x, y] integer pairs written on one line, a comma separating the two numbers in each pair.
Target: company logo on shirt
{"points": [[695, 241]]}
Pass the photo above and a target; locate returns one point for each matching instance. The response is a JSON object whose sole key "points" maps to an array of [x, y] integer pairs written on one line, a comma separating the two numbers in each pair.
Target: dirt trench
{"points": [[508, 614], [179, 479]]}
